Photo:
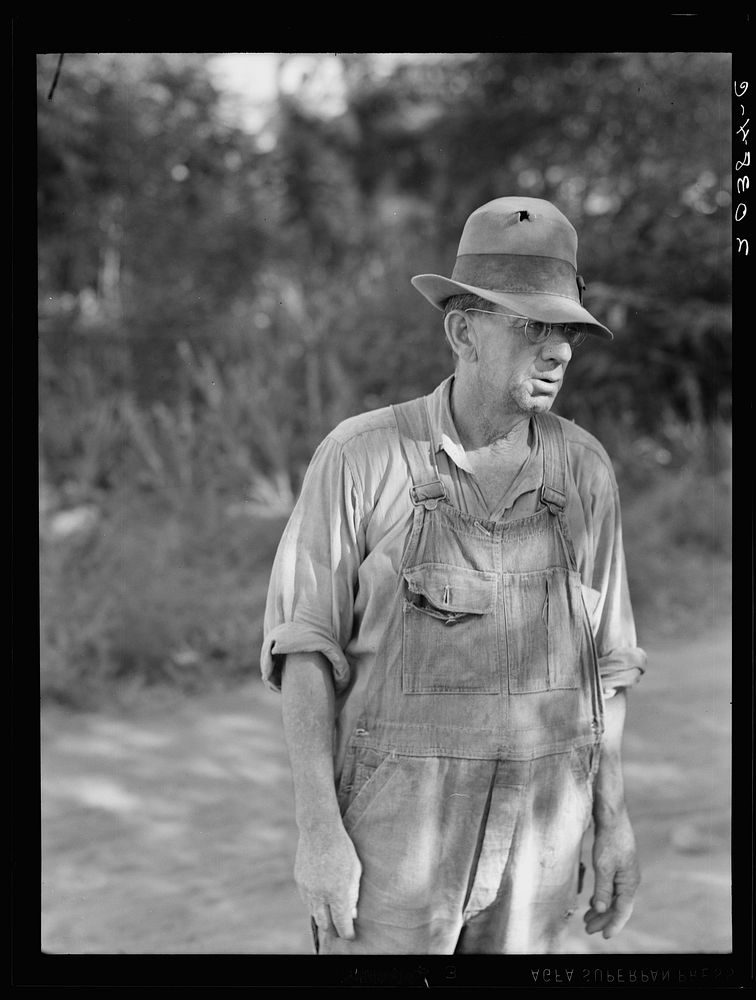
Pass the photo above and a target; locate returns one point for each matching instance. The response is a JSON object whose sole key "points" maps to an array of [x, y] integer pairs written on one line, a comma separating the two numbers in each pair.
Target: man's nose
{"points": [[557, 349]]}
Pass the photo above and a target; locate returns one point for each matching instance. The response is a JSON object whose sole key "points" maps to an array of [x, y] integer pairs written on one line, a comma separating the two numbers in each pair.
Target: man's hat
{"points": [[520, 253]]}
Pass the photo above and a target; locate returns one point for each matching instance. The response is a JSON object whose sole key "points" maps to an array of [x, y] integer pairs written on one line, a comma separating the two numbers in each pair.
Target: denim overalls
{"points": [[467, 784]]}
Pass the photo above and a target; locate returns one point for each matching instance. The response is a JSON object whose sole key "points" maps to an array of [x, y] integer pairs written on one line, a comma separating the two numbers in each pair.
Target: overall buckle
{"points": [[555, 500], [429, 495]]}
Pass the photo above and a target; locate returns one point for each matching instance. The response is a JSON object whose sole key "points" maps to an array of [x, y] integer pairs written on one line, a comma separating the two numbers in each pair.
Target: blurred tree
{"points": [[213, 300], [160, 223], [633, 146], [145, 197]]}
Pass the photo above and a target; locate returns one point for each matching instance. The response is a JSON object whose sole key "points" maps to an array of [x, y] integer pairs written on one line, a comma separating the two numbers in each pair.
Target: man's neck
{"points": [[478, 429]]}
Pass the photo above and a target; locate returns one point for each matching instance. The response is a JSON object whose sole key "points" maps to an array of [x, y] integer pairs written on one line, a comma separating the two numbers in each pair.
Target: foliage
{"points": [[159, 222], [213, 301], [153, 594]]}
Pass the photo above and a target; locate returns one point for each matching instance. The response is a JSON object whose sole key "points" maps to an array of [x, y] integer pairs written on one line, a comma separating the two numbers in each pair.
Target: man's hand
{"points": [[327, 872], [617, 876]]}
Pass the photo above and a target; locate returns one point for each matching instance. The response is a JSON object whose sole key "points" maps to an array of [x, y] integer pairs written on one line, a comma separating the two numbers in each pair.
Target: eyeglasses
{"points": [[538, 332]]}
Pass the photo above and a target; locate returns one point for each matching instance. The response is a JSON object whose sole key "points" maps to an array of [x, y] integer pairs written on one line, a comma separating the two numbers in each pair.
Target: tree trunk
{"points": [[109, 271]]}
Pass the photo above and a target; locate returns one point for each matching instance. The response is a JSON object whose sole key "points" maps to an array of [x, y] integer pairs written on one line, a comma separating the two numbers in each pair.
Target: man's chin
{"points": [[535, 402]]}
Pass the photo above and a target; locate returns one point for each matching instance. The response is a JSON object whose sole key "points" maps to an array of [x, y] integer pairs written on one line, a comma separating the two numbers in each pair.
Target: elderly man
{"points": [[449, 624]]}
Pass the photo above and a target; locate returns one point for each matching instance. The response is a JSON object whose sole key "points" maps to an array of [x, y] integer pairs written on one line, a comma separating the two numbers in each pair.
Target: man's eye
{"points": [[538, 331]]}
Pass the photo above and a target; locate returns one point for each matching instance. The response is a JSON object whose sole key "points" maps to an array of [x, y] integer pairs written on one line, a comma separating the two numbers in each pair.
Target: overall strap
{"points": [[416, 439], [554, 488]]}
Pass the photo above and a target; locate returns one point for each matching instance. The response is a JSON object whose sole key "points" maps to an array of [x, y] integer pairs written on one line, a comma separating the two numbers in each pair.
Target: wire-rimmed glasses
{"points": [[537, 332]]}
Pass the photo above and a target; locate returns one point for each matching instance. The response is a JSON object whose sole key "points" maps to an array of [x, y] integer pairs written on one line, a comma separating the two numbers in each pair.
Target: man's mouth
{"points": [[546, 383]]}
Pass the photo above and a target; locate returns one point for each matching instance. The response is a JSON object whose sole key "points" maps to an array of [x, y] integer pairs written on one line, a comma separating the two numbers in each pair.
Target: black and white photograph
{"points": [[385, 508]]}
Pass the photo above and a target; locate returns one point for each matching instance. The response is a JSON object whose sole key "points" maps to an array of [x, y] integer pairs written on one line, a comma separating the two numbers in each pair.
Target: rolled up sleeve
{"points": [[621, 661], [310, 603]]}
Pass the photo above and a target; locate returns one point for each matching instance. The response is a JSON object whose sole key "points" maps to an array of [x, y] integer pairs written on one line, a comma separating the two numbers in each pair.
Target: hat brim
{"points": [[548, 308]]}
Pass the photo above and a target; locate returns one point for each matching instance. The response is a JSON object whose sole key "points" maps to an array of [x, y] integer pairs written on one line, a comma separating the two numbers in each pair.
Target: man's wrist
{"points": [[608, 811], [319, 821]]}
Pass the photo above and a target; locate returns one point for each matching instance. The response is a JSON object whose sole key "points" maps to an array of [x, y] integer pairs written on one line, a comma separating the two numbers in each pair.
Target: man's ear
{"points": [[461, 335]]}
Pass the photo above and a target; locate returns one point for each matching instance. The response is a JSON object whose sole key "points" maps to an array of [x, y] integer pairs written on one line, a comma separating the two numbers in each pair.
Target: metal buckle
{"points": [[553, 499], [429, 494]]}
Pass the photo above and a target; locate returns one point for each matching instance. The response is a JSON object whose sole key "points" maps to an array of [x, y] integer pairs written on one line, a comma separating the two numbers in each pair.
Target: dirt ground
{"points": [[168, 829]]}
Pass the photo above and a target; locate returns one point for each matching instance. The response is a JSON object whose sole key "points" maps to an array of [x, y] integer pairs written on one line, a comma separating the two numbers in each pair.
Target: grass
{"points": [[153, 594], [677, 528], [150, 597], [182, 504]]}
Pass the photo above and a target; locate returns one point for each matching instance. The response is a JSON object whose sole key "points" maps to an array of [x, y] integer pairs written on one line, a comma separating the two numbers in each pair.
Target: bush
{"points": [[163, 576], [151, 596], [678, 546]]}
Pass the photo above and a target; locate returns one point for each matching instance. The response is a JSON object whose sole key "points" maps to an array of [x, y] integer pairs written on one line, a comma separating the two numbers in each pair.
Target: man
{"points": [[449, 623]]}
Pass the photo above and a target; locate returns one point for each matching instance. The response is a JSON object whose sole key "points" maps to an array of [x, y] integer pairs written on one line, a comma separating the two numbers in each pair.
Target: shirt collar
{"points": [[445, 436]]}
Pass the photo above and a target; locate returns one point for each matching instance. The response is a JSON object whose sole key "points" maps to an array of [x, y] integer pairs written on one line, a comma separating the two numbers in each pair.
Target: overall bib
{"points": [[467, 784]]}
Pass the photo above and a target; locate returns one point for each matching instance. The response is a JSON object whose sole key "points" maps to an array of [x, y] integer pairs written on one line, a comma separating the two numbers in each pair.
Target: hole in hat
{"points": [[524, 215]]}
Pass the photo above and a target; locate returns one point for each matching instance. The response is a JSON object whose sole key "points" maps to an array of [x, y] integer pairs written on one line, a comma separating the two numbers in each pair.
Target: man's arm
{"points": [[615, 863], [621, 663], [327, 870]]}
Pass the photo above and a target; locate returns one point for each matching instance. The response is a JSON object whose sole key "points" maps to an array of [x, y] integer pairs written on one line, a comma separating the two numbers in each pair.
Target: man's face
{"points": [[513, 374]]}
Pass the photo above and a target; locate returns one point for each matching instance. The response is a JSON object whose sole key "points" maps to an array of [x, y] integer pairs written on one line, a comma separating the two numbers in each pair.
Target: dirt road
{"points": [[169, 830]]}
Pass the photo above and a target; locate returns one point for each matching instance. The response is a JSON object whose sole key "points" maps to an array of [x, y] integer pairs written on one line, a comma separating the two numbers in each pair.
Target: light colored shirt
{"points": [[339, 557]]}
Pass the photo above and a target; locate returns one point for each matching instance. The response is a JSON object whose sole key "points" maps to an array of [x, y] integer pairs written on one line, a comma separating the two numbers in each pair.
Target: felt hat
{"points": [[520, 253]]}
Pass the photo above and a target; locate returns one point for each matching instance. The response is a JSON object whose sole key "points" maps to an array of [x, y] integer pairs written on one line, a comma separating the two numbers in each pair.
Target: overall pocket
{"points": [[370, 772], [584, 765], [545, 622], [450, 638]]}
